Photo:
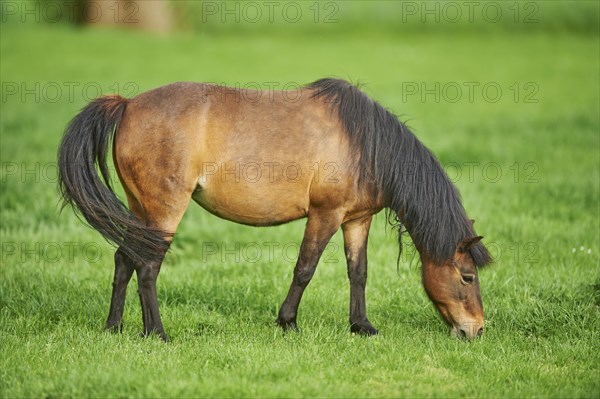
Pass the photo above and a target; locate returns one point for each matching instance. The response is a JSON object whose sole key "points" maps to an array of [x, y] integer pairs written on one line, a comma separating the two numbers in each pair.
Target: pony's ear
{"points": [[472, 222], [467, 243]]}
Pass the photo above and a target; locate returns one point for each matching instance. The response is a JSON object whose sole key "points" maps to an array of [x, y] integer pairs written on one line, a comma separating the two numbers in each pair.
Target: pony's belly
{"points": [[250, 207]]}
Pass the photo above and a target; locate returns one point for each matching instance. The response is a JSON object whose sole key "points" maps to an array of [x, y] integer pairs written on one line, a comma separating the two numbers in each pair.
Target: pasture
{"points": [[513, 116]]}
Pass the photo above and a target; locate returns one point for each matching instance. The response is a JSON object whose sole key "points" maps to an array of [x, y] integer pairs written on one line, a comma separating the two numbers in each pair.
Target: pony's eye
{"points": [[467, 278]]}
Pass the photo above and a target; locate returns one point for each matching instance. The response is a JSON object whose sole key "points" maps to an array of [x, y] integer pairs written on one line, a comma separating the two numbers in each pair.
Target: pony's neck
{"points": [[426, 202]]}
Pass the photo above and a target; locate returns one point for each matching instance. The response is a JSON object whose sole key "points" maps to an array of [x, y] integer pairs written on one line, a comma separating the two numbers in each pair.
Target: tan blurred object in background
{"points": [[153, 15]]}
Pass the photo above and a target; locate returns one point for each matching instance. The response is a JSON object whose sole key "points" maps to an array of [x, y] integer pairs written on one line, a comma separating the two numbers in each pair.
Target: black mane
{"points": [[414, 185]]}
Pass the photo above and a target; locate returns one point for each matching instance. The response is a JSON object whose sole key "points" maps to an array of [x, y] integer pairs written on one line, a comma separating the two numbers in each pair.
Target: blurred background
{"points": [[310, 16], [505, 93]]}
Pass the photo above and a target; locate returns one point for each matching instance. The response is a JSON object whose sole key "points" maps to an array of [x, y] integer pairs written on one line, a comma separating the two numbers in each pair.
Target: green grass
{"points": [[542, 300]]}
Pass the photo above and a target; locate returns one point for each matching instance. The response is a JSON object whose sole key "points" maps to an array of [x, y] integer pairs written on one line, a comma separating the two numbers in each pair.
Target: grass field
{"points": [[526, 160]]}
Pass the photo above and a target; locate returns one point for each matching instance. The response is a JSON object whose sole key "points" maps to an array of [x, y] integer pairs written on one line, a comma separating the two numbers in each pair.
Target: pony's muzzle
{"points": [[468, 330]]}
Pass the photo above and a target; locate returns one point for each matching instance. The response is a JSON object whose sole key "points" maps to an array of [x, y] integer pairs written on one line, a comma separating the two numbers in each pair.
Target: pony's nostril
{"points": [[480, 332], [462, 333]]}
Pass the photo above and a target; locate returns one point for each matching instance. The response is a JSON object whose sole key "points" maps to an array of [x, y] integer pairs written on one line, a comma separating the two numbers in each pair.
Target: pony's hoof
{"points": [[114, 328], [287, 325], [163, 336], [363, 329]]}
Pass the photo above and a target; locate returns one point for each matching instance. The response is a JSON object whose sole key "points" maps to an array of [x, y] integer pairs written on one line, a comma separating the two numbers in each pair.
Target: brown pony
{"points": [[326, 152]]}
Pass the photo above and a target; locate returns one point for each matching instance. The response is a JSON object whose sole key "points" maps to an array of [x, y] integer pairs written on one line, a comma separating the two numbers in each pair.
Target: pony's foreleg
{"points": [[355, 245], [321, 226], [123, 270]]}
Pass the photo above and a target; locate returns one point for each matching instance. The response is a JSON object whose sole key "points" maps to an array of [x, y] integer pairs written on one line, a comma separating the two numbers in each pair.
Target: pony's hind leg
{"points": [[147, 274], [321, 226], [164, 219], [161, 208], [124, 268], [355, 246]]}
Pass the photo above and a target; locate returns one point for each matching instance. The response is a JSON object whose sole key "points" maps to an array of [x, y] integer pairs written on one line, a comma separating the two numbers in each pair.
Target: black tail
{"points": [[85, 144]]}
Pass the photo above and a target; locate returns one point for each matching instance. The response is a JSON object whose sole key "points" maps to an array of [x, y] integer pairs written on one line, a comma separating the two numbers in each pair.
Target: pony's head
{"points": [[453, 286]]}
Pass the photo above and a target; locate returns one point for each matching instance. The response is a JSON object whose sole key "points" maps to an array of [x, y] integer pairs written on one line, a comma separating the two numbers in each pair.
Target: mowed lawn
{"points": [[526, 162]]}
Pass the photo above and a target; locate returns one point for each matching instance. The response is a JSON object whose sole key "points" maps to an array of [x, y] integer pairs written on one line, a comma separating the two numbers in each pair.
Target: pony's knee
{"points": [[304, 275]]}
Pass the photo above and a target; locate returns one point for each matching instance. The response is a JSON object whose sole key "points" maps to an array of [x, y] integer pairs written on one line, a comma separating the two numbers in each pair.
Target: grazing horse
{"points": [[351, 158]]}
